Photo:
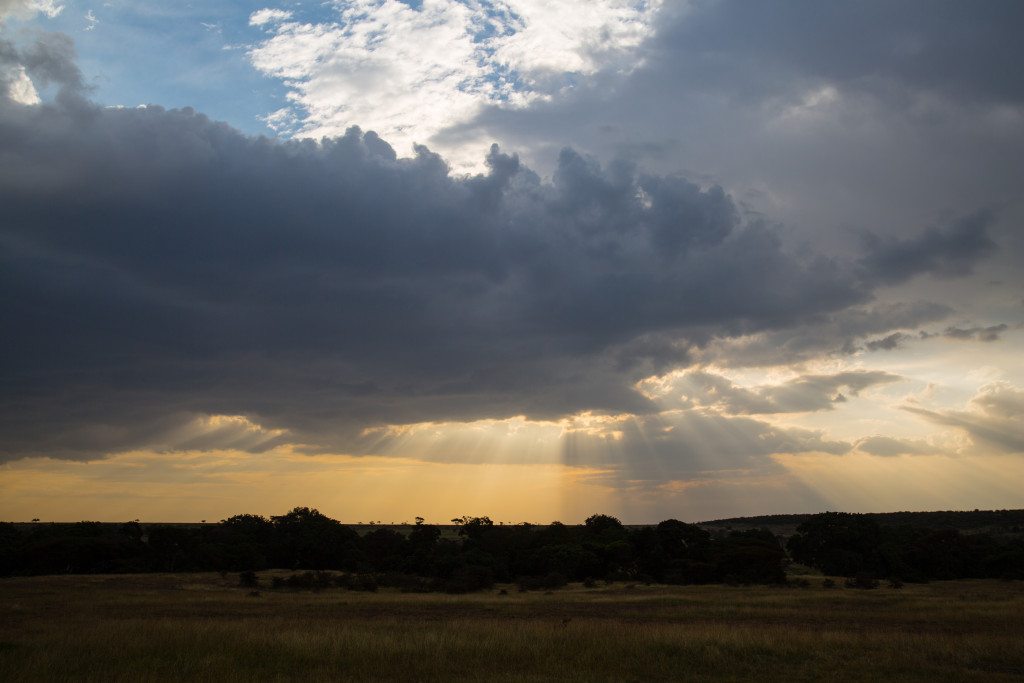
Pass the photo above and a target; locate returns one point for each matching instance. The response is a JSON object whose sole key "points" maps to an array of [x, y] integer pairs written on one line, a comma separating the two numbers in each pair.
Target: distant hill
{"points": [[996, 522]]}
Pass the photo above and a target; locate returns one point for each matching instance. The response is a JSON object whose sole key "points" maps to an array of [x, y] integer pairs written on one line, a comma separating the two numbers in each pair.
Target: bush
{"points": [[406, 583], [468, 579], [355, 582], [315, 581], [828, 583], [364, 583], [546, 582], [862, 580], [248, 579]]}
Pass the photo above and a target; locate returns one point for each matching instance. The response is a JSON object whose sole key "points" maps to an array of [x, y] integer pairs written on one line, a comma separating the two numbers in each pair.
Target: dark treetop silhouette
{"points": [[537, 556]]}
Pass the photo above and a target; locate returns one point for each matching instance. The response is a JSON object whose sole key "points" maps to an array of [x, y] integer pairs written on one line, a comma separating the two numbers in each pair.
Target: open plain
{"points": [[161, 627]]}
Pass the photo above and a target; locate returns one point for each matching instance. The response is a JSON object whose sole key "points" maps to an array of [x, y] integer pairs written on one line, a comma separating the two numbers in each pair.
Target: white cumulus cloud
{"points": [[409, 73], [268, 16], [28, 8], [19, 86]]}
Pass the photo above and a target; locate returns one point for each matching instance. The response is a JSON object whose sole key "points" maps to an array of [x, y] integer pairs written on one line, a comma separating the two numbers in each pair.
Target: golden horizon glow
{"points": [[686, 461]]}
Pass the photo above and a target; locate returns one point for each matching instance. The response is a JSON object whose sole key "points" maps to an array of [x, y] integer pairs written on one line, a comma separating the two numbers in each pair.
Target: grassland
{"points": [[203, 627]]}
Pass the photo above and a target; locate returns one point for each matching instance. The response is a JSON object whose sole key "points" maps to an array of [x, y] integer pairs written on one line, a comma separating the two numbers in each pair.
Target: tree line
{"points": [[483, 553]]}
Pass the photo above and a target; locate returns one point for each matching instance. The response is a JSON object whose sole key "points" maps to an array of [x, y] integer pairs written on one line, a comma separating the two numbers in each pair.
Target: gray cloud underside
{"points": [[805, 393], [156, 266], [888, 446], [995, 418], [949, 47], [840, 334], [949, 252], [898, 340], [983, 334], [887, 343]]}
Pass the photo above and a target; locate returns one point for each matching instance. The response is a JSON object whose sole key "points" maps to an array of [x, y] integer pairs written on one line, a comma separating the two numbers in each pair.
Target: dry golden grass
{"points": [[202, 627]]}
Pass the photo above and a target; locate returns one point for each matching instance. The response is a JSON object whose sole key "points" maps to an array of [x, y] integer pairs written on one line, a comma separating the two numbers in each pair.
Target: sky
{"points": [[528, 259]]}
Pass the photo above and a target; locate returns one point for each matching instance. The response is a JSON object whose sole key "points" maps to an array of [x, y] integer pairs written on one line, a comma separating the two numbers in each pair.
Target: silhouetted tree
{"points": [[838, 543], [544, 556], [306, 539]]}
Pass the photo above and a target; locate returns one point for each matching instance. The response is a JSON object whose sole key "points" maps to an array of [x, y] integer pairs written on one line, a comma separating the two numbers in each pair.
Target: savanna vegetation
{"points": [[204, 626], [303, 597], [480, 553]]}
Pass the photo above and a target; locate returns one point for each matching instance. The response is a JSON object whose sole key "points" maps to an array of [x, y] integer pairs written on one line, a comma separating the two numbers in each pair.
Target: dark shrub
{"points": [[305, 581], [1007, 565], [837, 543], [752, 556], [384, 549], [406, 583], [355, 582], [468, 579], [248, 579], [603, 524], [546, 582], [365, 583], [862, 580], [306, 538], [828, 583]]}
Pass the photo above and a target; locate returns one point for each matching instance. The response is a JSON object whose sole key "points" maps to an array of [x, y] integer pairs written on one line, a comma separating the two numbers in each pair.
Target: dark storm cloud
{"points": [[50, 59], [964, 50], [872, 116], [157, 267], [741, 55], [10, 59], [949, 251]]}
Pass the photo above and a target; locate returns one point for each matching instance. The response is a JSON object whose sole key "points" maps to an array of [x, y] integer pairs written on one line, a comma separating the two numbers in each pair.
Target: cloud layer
{"points": [[994, 419], [838, 119], [725, 258], [804, 393], [159, 268], [193, 269]]}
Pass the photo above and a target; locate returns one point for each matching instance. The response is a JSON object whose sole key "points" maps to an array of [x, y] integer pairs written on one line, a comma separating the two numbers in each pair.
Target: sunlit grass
{"points": [[173, 627]]}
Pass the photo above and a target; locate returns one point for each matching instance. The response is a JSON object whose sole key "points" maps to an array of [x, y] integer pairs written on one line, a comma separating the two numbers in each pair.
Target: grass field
{"points": [[203, 627]]}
